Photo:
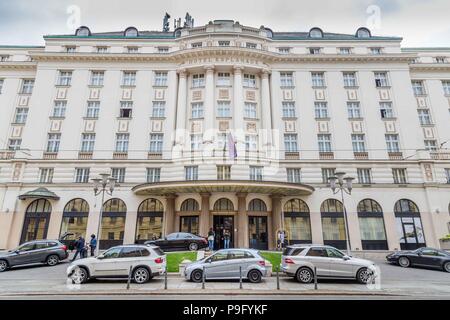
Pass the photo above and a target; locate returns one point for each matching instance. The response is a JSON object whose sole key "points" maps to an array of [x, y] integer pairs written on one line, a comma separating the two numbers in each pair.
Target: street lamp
{"points": [[340, 183], [101, 185]]}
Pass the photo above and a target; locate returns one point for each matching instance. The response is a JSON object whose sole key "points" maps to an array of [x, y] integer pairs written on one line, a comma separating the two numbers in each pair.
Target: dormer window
{"points": [[315, 33], [224, 43], [363, 33], [83, 32], [131, 32], [315, 50]]}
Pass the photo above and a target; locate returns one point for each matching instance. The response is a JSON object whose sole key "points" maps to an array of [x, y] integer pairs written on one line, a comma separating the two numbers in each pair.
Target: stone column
{"points": [[266, 109], [238, 113], [277, 217], [169, 214], [242, 229], [204, 214], [181, 106]]}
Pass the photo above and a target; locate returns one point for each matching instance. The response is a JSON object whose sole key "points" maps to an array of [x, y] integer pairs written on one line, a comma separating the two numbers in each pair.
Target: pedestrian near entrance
{"points": [[79, 247], [226, 239], [93, 244], [211, 236]]}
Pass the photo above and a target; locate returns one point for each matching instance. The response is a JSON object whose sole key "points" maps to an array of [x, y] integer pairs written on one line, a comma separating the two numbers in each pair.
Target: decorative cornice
{"points": [[430, 67], [18, 65]]}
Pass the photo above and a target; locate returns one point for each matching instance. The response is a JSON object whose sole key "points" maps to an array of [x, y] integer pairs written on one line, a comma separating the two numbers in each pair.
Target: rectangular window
{"points": [[53, 141], [424, 116], [431, 145], [353, 110], [223, 79], [418, 87], [327, 173], [160, 79], [93, 109], [290, 143], [156, 142], [14, 144], [315, 50], [197, 45], [445, 86], [129, 78], [224, 43], [222, 140], [223, 109], [102, 49], [196, 141], [70, 49], [250, 110], [163, 49], [82, 175], [122, 142], [399, 176], [250, 45], [256, 173], [118, 174], [191, 172], [447, 175], [284, 50], [381, 79], [45, 175], [251, 143], [87, 142], [286, 79], [376, 50], [132, 49], [318, 79], [321, 110], [249, 80], [197, 110], [350, 79], [27, 86], [21, 115], [223, 172], [59, 109], [64, 78], [198, 80], [126, 108], [324, 142], [345, 51], [2, 81], [97, 78], [392, 143], [293, 175], [364, 176], [440, 59], [153, 175], [386, 110], [158, 109], [358, 143], [288, 109]]}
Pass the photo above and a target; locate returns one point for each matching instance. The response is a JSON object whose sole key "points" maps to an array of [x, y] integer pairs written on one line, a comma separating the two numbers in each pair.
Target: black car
{"points": [[178, 241], [422, 257]]}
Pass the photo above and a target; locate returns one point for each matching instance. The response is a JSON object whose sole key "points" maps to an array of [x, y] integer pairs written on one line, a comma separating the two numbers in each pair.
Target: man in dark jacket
{"points": [[79, 246]]}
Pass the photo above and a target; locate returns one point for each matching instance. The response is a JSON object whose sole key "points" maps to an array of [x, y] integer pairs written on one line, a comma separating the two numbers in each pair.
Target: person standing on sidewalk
{"points": [[79, 247], [226, 239], [211, 236], [93, 244]]}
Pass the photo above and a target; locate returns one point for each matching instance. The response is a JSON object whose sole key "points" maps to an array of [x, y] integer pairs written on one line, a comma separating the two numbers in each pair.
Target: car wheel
{"points": [[304, 275], [3, 265], [254, 276], [404, 262], [193, 246], [141, 275], [79, 276], [446, 266], [197, 276], [364, 276], [52, 260]]}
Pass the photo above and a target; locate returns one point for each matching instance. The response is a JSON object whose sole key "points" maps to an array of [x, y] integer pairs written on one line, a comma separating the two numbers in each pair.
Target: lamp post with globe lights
{"points": [[340, 183]]}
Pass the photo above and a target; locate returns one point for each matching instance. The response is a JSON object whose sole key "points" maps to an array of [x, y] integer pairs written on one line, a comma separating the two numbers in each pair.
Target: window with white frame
{"points": [[59, 109], [14, 144], [118, 174], [345, 51], [93, 109], [153, 175], [250, 110], [440, 59], [293, 175], [87, 142], [418, 87], [321, 110], [2, 82], [327, 173], [122, 140], [102, 49], [447, 175], [196, 141], [431, 145], [284, 50], [132, 49], [251, 142], [324, 142], [286, 79], [223, 79], [129, 78], [250, 45], [381, 79], [158, 109], [392, 143], [358, 143], [249, 81], [222, 141], [223, 172], [163, 49], [82, 175], [53, 140], [64, 78], [315, 50], [376, 50], [353, 110], [70, 49], [4, 57], [191, 173], [318, 79], [97, 78], [197, 110], [399, 175], [424, 116], [288, 109], [445, 86], [198, 80], [386, 110], [27, 86], [364, 176], [224, 43], [126, 108], [156, 142], [46, 175], [256, 173], [290, 143], [160, 79], [21, 115], [350, 79], [197, 45], [223, 109]]}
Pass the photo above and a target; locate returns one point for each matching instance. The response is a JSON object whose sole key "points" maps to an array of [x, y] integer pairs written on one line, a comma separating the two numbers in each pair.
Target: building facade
{"points": [[225, 126]]}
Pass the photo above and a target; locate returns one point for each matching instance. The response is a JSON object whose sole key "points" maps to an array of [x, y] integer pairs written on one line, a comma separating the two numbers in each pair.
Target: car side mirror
{"points": [[346, 258], [100, 257], [419, 253]]}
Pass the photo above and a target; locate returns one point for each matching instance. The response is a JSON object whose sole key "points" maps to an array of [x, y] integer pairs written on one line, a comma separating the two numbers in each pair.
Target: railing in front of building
{"points": [[7, 155], [440, 155]]}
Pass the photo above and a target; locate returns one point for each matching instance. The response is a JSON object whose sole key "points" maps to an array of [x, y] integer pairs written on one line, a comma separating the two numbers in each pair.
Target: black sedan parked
{"points": [[178, 241], [422, 257]]}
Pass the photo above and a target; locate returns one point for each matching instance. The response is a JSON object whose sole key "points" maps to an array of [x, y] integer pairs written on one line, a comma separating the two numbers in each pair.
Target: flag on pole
{"points": [[232, 151]]}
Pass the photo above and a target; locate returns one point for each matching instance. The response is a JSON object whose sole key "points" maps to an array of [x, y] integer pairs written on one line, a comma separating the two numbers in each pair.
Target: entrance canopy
{"points": [[39, 193], [238, 186]]}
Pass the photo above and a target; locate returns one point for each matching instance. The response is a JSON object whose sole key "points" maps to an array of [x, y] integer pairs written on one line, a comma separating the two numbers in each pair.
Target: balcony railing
{"points": [[84, 155], [436, 155], [291, 155], [326, 155], [50, 155], [361, 155], [120, 155], [395, 155], [7, 154], [154, 155]]}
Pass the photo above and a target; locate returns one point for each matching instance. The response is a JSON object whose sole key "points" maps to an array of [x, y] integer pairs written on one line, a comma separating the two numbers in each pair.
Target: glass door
{"points": [[257, 232], [35, 228], [222, 223]]}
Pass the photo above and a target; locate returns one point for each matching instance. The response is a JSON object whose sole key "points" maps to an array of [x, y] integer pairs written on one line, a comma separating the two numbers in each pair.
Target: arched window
{"points": [[83, 32], [190, 223], [74, 221], [371, 225], [131, 32], [409, 225], [257, 205], [113, 223], [363, 33], [333, 223], [316, 33], [190, 205], [149, 220], [37, 217], [297, 222], [223, 204]]}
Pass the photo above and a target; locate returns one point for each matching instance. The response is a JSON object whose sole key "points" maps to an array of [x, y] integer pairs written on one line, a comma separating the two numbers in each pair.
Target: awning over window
{"points": [[39, 193]]}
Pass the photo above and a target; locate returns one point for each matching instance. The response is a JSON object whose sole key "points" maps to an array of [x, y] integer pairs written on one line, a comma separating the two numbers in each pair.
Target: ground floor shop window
{"points": [[371, 225], [409, 225], [333, 223], [298, 228], [189, 224], [149, 228]]}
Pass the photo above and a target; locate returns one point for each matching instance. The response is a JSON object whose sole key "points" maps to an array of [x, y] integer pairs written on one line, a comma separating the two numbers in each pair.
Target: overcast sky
{"points": [[419, 22]]}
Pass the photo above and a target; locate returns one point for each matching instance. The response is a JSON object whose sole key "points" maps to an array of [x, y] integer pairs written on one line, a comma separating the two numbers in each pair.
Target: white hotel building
{"points": [[158, 110]]}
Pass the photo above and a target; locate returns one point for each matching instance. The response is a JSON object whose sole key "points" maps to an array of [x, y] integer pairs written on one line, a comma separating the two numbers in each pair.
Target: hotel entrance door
{"points": [[220, 224]]}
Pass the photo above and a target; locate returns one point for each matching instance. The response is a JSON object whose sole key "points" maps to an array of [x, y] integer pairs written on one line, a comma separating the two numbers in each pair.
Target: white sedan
{"points": [[144, 261]]}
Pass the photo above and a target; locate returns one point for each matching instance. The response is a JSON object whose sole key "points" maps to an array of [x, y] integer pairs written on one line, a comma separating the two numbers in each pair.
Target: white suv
{"points": [[299, 261], [145, 261]]}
